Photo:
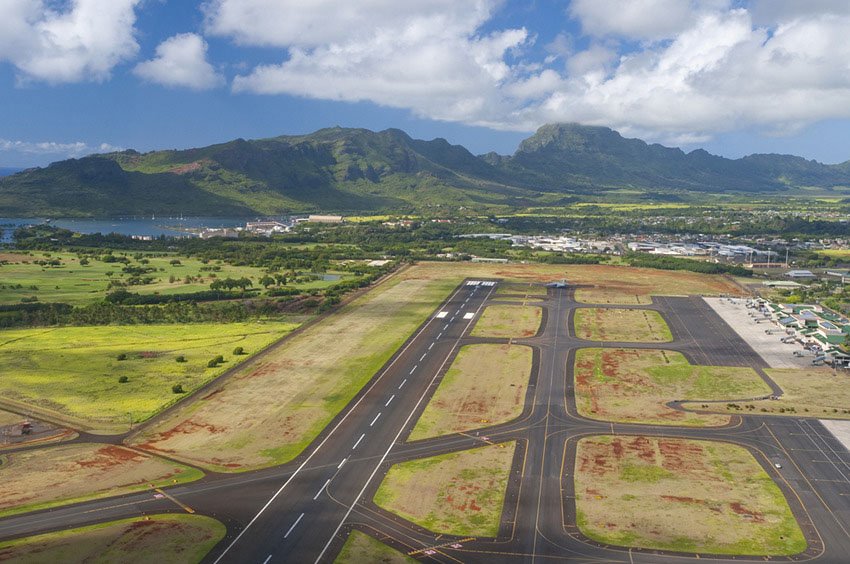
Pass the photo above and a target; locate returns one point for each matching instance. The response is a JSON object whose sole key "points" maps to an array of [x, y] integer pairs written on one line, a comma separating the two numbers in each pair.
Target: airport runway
{"points": [[303, 511]]}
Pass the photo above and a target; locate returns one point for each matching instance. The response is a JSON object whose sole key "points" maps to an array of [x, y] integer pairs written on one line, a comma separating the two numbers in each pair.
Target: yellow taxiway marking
{"points": [[439, 546], [185, 507]]}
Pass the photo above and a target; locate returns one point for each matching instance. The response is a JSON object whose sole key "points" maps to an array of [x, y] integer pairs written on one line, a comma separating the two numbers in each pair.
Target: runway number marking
{"points": [[392, 397], [295, 524], [318, 493], [358, 441], [375, 419]]}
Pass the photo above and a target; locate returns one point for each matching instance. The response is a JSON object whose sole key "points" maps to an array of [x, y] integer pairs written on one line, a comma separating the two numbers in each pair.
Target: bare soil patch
{"points": [[621, 325]]}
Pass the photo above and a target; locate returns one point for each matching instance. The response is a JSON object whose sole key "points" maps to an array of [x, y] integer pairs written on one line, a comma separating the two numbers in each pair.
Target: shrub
{"points": [[212, 364], [177, 389], [122, 356], [123, 379], [180, 358], [238, 350]]}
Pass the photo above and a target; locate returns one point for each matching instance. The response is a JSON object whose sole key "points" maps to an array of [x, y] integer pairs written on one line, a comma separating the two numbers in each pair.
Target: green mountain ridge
{"points": [[347, 169]]}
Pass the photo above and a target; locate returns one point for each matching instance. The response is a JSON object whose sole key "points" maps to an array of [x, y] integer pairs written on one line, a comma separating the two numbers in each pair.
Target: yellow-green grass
{"points": [[527, 290], [685, 495], [508, 321], [621, 325], [808, 392], [485, 385], [634, 386], [360, 548], [9, 418], [160, 539], [51, 476], [599, 283], [76, 284], [269, 411], [72, 373], [835, 253], [460, 493]]}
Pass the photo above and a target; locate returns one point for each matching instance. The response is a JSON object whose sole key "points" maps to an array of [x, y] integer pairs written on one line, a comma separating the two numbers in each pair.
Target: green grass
{"points": [[75, 284], [460, 493], [360, 547], [161, 539], [621, 325], [508, 321], [72, 373]]}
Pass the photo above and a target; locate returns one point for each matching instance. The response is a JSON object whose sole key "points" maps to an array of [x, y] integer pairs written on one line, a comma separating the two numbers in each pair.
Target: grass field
{"points": [[526, 290], [485, 385], [161, 539], [633, 386], [47, 477], [271, 409], [7, 418], [72, 373], [460, 493], [77, 284], [685, 495], [360, 548], [604, 284], [621, 325], [811, 392], [840, 254], [508, 321]]}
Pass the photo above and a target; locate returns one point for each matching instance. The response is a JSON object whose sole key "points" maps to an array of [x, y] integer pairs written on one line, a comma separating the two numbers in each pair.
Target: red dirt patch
{"points": [[111, 456], [753, 516]]}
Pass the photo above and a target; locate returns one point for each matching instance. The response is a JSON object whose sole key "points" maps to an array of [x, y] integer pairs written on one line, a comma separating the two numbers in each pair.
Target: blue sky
{"points": [[733, 77]]}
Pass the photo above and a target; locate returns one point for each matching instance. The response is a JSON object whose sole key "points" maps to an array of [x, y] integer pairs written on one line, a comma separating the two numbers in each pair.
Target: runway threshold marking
{"points": [[358, 441], [438, 546], [295, 524], [182, 505], [375, 419]]}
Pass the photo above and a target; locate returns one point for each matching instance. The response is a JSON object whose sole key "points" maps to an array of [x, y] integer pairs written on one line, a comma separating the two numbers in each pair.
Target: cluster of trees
{"points": [[675, 263]]}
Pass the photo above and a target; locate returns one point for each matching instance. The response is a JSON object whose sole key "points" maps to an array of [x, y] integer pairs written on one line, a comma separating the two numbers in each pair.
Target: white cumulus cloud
{"points": [[73, 149], [181, 60], [61, 42]]}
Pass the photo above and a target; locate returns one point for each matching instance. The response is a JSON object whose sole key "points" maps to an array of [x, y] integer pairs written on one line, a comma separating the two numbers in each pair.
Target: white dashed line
{"points": [[403, 382], [446, 326], [375, 419], [318, 493], [294, 525], [440, 335], [412, 370], [344, 460], [429, 346], [358, 441], [421, 358], [266, 561], [392, 397]]}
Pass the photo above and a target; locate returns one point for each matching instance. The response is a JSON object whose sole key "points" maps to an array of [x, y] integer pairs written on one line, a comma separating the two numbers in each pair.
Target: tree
{"points": [[177, 389], [238, 351], [180, 358], [267, 281], [123, 379]]}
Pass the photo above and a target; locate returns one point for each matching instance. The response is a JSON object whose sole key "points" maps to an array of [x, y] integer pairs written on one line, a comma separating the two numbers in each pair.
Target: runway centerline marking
{"points": [[344, 460], [375, 419], [295, 524], [358, 441], [430, 346], [403, 382], [318, 493], [266, 561], [412, 370], [440, 335], [421, 358], [392, 397]]}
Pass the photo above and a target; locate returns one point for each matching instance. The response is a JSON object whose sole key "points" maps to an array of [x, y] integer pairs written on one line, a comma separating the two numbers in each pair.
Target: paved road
{"points": [[303, 512]]}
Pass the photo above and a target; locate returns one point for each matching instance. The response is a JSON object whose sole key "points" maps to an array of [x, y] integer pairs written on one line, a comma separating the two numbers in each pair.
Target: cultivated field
{"points": [[633, 386], [47, 477], [812, 392], [685, 495], [272, 408], [461, 493], [161, 539], [485, 385], [72, 373], [360, 547], [508, 321], [621, 325]]}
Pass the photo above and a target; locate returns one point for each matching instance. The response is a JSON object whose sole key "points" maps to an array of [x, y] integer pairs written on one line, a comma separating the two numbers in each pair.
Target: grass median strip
{"points": [[48, 477], [485, 385], [269, 411], [360, 547], [161, 539], [508, 321], [460, 493], [634, 386], [684, 495], [104, 378], [621, 325]]}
